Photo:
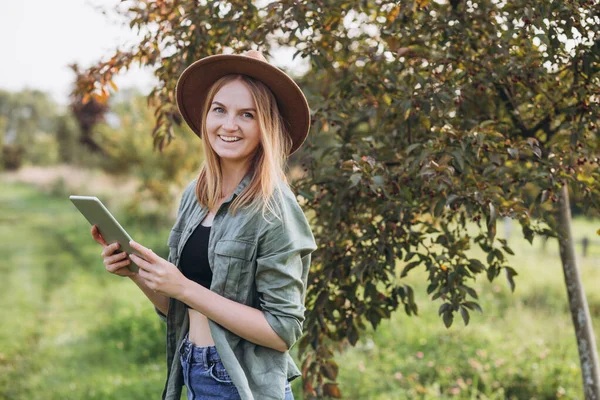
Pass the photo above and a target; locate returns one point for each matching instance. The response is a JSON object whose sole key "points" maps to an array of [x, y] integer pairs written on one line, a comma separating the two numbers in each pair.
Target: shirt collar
{"points": [[242, 185]]}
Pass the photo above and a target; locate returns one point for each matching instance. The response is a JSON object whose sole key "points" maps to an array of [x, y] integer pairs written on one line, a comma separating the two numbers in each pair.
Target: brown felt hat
{"points": [[195, 81]]}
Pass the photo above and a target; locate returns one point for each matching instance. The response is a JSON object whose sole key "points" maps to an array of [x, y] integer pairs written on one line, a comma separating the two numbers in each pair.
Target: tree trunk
{"points": [[586, 342]]}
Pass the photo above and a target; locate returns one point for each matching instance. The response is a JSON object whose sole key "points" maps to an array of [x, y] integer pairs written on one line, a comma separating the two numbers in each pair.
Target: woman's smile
{"points": [[230, 139]]}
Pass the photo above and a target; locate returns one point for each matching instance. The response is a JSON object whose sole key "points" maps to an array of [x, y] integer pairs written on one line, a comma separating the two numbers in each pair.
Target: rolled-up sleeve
{"points": [[283, 262], [162, 316]]}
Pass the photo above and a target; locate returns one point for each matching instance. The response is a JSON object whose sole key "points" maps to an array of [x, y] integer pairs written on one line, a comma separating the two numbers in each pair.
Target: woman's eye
{"points": [[218, 109], [248, 115]]}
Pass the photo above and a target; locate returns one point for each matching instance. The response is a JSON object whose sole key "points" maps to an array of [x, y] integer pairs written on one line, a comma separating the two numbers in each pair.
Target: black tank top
{"points": [[194, 258]]}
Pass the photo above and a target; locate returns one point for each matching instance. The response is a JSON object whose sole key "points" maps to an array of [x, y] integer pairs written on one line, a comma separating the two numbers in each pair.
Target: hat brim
{"points": [[196, 80]]}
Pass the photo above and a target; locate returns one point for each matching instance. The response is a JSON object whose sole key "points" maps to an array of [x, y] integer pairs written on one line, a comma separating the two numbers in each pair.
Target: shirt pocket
{"points": [[233, 264], [173, 243]]}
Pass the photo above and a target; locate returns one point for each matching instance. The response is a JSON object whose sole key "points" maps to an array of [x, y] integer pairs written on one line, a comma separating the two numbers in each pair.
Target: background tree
{"points": [[129, 152], [2, 130], [67, 136], [29, 123], [428, 118], [89, 110]]}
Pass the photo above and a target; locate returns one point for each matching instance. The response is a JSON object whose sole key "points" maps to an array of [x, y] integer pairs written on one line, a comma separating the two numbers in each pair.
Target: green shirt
{"points": [[263, 265]]}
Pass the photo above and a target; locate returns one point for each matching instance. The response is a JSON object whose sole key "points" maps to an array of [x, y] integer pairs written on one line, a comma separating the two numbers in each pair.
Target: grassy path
{"points": [[68, 325]]}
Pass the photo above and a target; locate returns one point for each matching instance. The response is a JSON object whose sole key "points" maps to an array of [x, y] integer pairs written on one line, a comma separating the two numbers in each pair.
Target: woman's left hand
{"points": [[160, 275]]}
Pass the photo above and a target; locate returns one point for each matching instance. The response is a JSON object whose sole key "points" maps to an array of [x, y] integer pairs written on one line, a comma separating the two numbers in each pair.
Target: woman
{"points": [[232, 290]]}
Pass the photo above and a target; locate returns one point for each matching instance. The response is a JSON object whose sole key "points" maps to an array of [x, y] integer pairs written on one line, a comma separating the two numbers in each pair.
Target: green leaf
{"points": [[476, 266], [448, 318], [355, 179], [460, 161], [451, 278], [487, 123], [490, 257], [499, 255], [470, 291], [413, 146], [471, 305], [510, 273], [409, 255], [409, 267], [508, 250], [431, 287], [528, 233], [451, 199], [464, 313], [491, 223], [352, 335], [439, 207], [444, 307], [378, 180]]}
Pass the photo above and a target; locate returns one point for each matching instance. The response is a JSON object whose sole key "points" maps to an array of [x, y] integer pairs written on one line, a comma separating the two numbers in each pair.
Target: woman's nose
{"points": [[230, 124]]}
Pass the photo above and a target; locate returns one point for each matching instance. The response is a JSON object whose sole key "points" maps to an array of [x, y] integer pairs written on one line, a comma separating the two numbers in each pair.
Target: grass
{"points": [[72, 331]]}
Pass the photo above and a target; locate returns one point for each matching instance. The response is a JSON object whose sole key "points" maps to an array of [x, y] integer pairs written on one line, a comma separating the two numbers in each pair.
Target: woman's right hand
{"points": [[114, 263]]}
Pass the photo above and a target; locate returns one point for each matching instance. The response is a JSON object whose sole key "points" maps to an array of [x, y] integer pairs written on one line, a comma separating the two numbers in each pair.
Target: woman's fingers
{"points": [[114, 263], [110, 249], [113, 267], [124, 271], [97, 236], [146, 253], [114, 258], [141, 262]]}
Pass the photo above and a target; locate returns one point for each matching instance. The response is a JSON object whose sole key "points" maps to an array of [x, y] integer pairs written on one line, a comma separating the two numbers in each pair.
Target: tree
{"points": [[89, 111], [67, 136], [129, 151], [427, 117], [29, 123], [2, 129]]}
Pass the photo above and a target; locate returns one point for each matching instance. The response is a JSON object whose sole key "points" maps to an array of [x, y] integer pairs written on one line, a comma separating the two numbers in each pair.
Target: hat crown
{"points": [[257, 55]]}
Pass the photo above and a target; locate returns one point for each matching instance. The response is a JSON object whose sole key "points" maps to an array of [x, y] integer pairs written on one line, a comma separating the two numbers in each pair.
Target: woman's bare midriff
{"points": [[199, 332]]}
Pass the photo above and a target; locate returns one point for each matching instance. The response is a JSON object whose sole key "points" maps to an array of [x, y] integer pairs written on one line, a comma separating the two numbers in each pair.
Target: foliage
{"points": [[29, 122], [2, 133], [89, 111], [427, 116]]}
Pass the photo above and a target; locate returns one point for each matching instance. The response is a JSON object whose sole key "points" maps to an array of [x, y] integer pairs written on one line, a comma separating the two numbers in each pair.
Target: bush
{"points": [[42, 150], [12, 157]]}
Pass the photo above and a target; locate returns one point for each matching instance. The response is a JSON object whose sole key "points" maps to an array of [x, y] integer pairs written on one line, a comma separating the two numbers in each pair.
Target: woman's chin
{"points": [[231, 156]]}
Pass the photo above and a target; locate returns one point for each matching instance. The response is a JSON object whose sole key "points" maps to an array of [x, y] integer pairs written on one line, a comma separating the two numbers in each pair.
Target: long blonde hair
{"points": [[269, 160]]}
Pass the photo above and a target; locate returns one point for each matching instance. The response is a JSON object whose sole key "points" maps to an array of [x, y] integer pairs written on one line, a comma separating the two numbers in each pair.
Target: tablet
{"points": [[97, 214]]}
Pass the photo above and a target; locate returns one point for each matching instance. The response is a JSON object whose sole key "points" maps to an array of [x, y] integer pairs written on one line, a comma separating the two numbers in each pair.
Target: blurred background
{"points": [[86, 108]]}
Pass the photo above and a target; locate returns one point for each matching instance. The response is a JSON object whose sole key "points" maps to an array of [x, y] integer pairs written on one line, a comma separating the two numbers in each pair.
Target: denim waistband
{"points": [[205, 355]]}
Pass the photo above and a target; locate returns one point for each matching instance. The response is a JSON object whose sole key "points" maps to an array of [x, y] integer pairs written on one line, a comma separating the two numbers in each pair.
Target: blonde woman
{"points": [[232, 290]]}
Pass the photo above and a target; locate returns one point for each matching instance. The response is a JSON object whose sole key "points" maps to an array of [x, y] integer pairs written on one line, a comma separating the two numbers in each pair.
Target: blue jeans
{"points": [[205, 376]]}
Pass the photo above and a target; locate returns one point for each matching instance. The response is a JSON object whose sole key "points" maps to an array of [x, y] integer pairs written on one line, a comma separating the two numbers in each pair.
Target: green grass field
{"points": [[70, 330]]}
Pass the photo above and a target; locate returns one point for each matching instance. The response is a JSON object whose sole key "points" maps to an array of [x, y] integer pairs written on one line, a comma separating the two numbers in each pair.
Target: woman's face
{"points": [[232, 124]]}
